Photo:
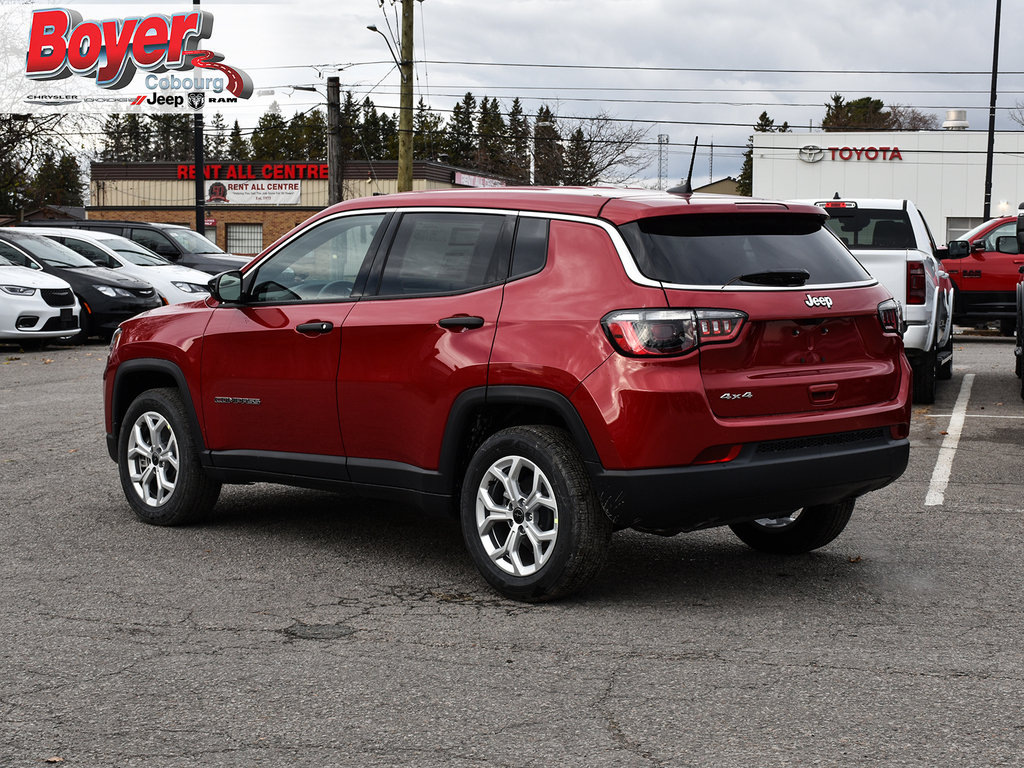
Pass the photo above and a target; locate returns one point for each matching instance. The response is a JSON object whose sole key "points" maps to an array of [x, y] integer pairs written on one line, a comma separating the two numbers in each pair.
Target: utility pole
{"points": [[992, 120], [200, 167], [335, 164], [405, 115]]}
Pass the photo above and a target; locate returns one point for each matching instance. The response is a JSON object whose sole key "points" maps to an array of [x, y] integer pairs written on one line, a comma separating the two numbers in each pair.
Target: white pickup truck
{"points": [[892, 240]]}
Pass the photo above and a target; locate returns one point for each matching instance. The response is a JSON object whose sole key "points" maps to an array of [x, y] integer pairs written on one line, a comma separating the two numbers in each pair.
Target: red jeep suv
{"points": [[554, 364]]}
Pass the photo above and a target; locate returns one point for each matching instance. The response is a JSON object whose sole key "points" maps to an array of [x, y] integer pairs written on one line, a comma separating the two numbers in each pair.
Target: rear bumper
{"points": [[765, 479]]}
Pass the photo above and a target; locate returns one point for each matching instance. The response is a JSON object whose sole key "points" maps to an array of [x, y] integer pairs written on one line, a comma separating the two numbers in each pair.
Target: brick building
{"points": [[249, 204]]}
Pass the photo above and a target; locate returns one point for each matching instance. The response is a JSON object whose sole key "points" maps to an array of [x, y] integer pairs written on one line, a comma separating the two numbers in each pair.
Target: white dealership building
{"points": [[943, 171]]}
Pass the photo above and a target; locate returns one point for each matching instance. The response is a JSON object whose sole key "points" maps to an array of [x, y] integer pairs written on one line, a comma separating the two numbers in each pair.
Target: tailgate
{"points": [[889, 267], [795, 353]]}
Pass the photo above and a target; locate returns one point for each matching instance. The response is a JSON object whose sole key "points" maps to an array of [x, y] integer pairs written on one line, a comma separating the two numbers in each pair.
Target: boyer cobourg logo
{"points": [[112, 51]]}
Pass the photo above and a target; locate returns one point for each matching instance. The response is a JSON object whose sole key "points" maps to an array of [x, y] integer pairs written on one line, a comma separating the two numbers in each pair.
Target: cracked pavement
{"points": [[300, 628]]}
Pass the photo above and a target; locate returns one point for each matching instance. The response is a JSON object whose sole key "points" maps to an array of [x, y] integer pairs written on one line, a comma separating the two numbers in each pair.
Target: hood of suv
{"points": [[30, 278]]}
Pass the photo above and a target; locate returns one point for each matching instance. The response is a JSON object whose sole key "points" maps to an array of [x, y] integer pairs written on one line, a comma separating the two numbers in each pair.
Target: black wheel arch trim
{"points": [[468, 402], [119, 407]]}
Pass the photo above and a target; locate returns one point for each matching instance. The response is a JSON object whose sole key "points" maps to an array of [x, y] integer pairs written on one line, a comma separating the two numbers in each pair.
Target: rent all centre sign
{"points": [[253, 171], [254, 183]]}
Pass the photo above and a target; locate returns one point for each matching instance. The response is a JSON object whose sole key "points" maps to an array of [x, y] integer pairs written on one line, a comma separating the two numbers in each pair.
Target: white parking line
{"points": [[944, 463]]}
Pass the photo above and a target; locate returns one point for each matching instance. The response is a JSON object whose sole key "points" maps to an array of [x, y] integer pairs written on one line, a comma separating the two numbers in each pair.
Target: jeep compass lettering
{"points": [[551, 364]]}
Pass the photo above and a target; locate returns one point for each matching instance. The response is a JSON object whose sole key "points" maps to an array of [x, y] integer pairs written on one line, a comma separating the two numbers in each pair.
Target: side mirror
{"points": [[1007, 244], [227, 287], [958, 249]]}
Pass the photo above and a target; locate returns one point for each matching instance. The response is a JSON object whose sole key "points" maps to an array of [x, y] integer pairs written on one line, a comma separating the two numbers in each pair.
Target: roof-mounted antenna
{"points": [[686, 188]]}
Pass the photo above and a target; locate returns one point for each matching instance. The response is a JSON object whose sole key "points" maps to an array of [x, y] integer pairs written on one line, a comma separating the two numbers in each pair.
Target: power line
{"points": [[619, 68]]}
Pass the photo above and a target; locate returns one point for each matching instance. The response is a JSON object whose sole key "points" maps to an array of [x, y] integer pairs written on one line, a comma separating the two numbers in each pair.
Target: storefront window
{"points": [[244, 239]]}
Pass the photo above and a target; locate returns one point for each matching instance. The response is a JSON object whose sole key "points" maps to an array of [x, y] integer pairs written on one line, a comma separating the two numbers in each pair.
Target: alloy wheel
{"points": [[516, 516], [153, 458]]}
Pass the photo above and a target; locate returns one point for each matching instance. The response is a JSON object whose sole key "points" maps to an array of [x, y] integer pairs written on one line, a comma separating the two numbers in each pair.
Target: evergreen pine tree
{"points": [[547, 149], [215, 139], [238, 147], [492, 138], [57, 181], [579, 168], [745, 180], [113, 147], [173, 137], [138, 139], [517, 158], [428, 133], [460, 137], [270, 139]]}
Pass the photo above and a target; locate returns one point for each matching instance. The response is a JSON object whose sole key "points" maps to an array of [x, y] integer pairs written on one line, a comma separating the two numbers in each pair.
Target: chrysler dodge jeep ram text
{"points": [[551, 364]]}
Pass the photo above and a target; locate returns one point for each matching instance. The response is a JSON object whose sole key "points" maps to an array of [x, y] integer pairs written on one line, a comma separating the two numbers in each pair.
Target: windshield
{"points": [[871, 228], [971, 234], [719, 249], [192, 242], [49, 252], [140, 256]]}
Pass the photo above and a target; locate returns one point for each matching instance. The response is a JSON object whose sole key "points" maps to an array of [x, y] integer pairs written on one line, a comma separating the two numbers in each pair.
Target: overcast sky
{"points": [[677, 67]]}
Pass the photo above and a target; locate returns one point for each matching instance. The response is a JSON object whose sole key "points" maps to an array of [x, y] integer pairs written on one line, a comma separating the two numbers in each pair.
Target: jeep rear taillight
{"points": [[890, 315], [916, 293], [719, 324], [669, 332]]}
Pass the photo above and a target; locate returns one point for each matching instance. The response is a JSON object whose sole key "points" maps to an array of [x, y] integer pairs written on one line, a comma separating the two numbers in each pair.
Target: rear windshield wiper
{"points": [[780, 278]]}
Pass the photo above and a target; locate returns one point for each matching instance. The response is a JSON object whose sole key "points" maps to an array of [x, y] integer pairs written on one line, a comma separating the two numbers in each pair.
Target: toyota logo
{"points": [[811, 153]]}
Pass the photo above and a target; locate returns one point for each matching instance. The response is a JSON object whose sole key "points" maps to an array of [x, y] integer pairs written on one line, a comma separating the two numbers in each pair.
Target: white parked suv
{"points": [[174, 283], [34, 307], [893, 242]]}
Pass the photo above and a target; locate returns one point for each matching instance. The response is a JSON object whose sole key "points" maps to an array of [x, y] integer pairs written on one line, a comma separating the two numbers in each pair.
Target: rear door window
{"points": [[531, 248], [445, 253], [721, 249]]}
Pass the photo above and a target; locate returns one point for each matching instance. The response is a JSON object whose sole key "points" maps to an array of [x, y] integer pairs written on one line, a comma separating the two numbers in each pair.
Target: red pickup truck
{"points": [[984, 265]]}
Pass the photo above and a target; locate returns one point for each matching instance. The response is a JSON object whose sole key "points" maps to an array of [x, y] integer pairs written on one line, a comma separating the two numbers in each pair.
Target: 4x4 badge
{"points": [[819, 301], [736, 396]]}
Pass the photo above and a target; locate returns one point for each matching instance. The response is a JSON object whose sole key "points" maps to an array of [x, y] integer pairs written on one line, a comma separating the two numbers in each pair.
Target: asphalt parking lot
{"points": [[298, 628]]}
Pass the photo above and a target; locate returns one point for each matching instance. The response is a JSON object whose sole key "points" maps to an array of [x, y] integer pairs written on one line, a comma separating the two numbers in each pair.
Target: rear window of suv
{"points": [[871, 228], [718, 249]]}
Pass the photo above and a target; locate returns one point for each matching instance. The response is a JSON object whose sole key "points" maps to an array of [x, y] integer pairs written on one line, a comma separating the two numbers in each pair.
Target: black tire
{"points": [[1018, 344], [84, 326], [155, 434], [561, 509], [1006, 327], [924, 377], [807, 529]]}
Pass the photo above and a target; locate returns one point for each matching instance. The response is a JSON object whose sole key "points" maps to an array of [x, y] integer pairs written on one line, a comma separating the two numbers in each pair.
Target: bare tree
{"points": [[24, 140], [618, 148], [1017, 113], [904, 118]]}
